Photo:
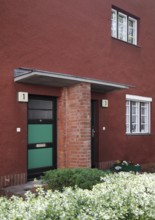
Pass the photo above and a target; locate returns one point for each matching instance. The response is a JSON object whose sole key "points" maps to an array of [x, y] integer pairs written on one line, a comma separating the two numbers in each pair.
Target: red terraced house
{"points": [[77, 85]]}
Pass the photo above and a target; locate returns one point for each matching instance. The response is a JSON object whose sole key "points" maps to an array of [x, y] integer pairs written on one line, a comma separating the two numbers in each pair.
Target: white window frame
{"points": [[115, 27], [134, 112]]}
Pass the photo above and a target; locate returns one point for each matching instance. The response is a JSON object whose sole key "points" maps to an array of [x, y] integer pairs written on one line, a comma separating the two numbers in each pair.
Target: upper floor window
{"points": [[137, 114], [123, 27]]}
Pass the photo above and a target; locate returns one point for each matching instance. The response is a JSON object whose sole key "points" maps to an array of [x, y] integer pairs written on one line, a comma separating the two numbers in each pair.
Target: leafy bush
{"points": [[84, 178], [125, 166], [120, 196]]}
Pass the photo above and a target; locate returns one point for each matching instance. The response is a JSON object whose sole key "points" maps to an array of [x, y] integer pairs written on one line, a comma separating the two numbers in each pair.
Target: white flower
{"points": [[125, 162], [118, 168]]}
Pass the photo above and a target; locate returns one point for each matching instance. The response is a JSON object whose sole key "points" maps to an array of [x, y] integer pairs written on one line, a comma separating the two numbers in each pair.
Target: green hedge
{"points": [[84, 178]]}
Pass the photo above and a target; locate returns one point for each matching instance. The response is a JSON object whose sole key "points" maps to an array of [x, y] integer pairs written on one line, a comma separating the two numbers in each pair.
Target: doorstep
{"points": [[20, 190]]}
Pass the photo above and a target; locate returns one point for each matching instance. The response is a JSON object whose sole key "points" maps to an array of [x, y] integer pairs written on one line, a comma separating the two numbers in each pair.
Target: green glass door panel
{"points": [[40, 133], [39, 158]]}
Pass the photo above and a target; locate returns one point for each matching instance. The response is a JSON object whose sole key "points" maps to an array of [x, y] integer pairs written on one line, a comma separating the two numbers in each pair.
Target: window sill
{"points": [[138, 134], [126, 42]]}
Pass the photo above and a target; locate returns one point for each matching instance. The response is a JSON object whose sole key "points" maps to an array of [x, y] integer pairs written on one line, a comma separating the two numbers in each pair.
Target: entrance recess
{"points": [[41, 135]]}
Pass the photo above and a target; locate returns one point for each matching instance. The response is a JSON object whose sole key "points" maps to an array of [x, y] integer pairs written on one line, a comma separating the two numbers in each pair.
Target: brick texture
{"points": [[74, 123], [13, 179]]}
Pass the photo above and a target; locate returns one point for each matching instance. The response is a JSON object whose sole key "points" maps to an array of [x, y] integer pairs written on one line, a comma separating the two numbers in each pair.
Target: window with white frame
{"points": [[123, 27], [137, 114]]}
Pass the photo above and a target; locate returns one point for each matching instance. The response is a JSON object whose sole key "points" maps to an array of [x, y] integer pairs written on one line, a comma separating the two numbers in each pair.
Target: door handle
{"points": [[92, 132], [40, 145]]}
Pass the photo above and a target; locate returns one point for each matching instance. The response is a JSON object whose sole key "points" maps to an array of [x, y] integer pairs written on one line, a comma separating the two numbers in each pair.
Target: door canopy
{"points": [[38, 77]]}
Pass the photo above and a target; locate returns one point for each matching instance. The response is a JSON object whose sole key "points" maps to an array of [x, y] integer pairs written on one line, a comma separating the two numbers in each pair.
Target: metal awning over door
{"points": [[38, 77]]}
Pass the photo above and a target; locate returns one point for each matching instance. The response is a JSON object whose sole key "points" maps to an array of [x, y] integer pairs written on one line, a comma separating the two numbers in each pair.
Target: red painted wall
{"points": [[75, 37]]}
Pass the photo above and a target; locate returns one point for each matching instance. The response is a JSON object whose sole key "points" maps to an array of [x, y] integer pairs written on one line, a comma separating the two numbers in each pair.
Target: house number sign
{"points": [[104, 103], [22, 97]]}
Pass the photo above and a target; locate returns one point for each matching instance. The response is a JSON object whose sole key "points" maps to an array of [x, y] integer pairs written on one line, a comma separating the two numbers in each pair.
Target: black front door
{"points": [[41, 135], [93, 134]]}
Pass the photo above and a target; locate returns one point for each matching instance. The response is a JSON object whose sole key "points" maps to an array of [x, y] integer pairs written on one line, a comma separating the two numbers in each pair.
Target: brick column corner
{"points": [[74, 127]]}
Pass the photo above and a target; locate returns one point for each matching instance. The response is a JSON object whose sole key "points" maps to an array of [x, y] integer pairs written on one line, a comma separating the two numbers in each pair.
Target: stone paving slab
{"points": [[20, 190]]}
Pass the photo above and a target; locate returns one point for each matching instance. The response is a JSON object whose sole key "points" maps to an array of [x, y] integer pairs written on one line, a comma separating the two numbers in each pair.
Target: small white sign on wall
{"points": [[22, 97], [104, 103]]}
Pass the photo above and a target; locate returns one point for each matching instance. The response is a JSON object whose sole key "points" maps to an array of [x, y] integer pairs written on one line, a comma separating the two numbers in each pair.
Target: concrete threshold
{"points": [[20, 190]]}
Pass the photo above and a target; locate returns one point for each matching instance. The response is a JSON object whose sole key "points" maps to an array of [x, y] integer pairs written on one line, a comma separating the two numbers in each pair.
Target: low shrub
{"points": [[121, 196], [84, 178], [125, 166]]}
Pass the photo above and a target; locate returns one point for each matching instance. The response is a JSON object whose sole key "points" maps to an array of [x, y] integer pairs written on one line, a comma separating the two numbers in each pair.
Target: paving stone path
{"points": [[20, 190]]}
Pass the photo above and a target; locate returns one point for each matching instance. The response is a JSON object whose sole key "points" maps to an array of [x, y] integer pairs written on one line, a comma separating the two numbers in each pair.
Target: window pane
{"points": [[127, 128], [135, 117], [132, 31], [40, 104], [40, 114], [122, 27], [134, 128], [142, 111], [127, 117], [144, 117], [114, 23]]}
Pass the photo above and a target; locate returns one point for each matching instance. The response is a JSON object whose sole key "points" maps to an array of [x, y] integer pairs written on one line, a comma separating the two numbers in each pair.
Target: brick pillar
{"points": [[74, 127]]}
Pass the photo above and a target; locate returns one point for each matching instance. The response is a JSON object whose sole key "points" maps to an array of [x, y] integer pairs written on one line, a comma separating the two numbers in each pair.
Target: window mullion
{"points": [[127, 28], [127, 32], [117, 26], [130, 116], [140, 104]]}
